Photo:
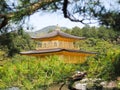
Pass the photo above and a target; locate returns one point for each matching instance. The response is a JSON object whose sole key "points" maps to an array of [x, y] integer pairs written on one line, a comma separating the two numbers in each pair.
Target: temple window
{"points": [[44, 45], [69, 44], [39, 44], [60, 44], [49, 44], [55, 44]]}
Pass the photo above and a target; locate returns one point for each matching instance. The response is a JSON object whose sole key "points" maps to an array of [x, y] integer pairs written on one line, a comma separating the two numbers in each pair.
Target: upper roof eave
{"points": [[59, 33]]}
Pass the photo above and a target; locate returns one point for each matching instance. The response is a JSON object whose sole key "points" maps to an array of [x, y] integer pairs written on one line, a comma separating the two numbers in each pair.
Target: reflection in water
{"points": [[56, 87]]}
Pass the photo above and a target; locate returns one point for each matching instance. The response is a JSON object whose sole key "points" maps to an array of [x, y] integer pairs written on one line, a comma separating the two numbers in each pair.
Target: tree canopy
{"points": [[13, 13], [84, 11], [31, 73]]}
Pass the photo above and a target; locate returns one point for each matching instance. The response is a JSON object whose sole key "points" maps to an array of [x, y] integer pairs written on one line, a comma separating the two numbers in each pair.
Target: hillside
{"points": [[44, 31]]}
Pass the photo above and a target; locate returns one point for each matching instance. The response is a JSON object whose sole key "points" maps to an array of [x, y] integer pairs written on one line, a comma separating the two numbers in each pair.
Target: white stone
{"points": [[80, 86]]}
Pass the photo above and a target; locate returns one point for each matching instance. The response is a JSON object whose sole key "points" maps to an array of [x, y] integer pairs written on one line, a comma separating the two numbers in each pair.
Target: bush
{"points": [[32, 73]]}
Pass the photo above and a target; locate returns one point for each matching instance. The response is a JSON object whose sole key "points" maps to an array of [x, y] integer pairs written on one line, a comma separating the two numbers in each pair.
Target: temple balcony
{"points": [[55, 44]]}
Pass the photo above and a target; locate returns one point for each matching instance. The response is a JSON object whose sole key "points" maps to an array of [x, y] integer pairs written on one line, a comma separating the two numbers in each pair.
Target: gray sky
{"points": [[39, 21]]}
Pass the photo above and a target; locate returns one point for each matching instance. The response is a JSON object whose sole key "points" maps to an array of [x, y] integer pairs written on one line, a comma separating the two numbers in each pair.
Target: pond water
{"points": [[56, 87]]}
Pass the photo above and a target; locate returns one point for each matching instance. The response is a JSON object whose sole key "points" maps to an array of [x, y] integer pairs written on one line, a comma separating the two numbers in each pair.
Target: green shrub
{"points": [[32, 73]]}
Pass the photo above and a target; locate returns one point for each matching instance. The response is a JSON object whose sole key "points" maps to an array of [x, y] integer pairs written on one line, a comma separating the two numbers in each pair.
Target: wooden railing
{"points": [[56, 44]]}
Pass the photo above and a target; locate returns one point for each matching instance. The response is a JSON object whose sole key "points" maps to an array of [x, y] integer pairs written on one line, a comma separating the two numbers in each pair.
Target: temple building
{"points": [[60, 44]]}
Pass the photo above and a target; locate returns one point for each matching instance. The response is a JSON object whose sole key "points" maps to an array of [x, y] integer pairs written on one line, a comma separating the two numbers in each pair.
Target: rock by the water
{"points": [[80, 86]]}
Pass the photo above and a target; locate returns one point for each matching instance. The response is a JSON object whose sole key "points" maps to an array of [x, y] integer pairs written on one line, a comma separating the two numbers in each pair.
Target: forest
{"points": [[30, 73]]}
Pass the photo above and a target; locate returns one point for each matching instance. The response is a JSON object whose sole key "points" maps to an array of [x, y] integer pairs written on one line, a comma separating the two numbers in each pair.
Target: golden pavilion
{"points": [[60, 44]]}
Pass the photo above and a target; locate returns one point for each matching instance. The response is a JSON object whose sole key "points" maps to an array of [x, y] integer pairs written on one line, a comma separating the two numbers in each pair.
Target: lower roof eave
{"points": [[55, 51]]}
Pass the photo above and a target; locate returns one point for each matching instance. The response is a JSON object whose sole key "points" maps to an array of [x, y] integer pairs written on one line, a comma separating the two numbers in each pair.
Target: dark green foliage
{"points": [[116, 65], [28, 73], [14, 42], [111, 19], [31, 73], [105, 64], [101, 40], [95, 32]]}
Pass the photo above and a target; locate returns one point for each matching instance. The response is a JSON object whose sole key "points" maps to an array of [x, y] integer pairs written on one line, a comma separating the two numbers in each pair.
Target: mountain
{"points": [[44, 31]]}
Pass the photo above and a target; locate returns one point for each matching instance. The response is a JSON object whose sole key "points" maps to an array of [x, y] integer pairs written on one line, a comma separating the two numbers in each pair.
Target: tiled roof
{"points": [[58, 33], [54, 50]]}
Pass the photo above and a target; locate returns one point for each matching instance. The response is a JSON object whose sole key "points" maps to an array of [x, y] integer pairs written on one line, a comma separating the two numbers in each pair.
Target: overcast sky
{"points": [[39, 21]]}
